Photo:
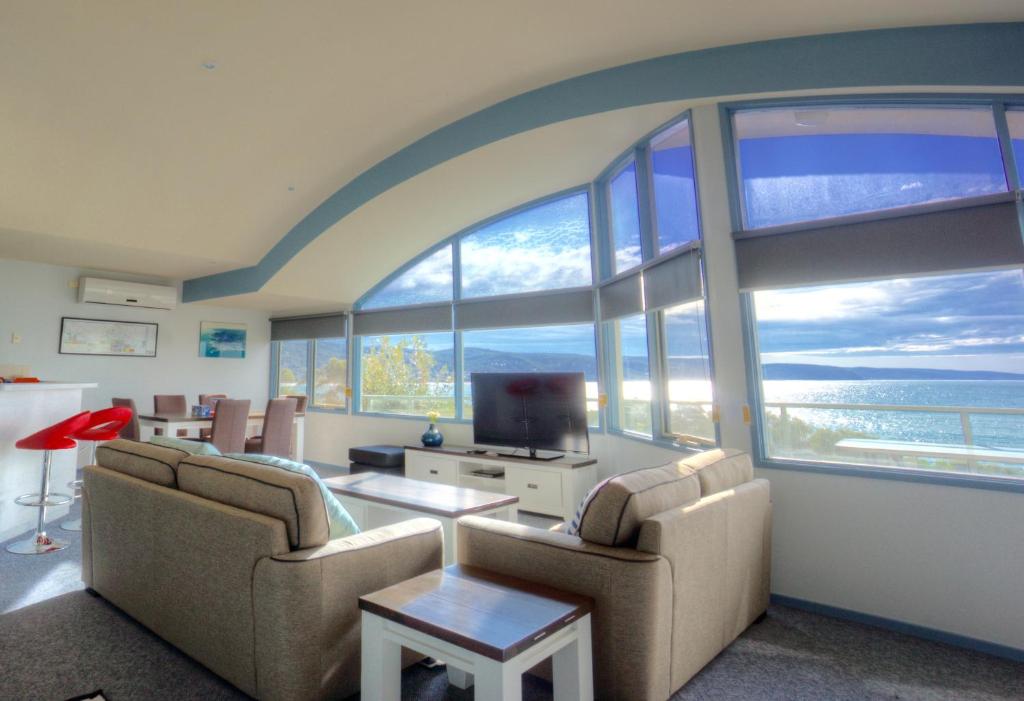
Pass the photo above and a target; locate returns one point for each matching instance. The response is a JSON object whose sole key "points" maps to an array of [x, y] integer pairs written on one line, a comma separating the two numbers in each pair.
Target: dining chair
{"points": [[131, 429], [301, 399], [170, 404], [228, 430], [209, 400], [278, 424]]}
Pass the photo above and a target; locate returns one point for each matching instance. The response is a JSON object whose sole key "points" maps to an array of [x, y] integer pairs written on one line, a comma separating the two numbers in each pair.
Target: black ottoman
{"points": [[389, 459]]}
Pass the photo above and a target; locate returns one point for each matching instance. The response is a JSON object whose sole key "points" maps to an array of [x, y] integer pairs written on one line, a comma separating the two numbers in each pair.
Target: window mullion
{"points": [[1006, 146], [656, 371], [645, 204]]}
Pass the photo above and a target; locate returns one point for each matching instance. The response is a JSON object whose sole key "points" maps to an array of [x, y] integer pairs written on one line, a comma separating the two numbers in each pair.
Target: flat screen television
{"points": [[532, 410]]}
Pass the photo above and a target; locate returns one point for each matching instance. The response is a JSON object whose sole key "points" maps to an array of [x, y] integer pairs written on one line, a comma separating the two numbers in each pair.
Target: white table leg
{"points": [[381, 673], [572, 669], [498, 682], [459, 679], [300, 438], [450, 550]]}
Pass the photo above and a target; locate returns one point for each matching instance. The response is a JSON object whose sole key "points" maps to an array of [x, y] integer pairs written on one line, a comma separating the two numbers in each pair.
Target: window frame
{"points": [[998, 104]]}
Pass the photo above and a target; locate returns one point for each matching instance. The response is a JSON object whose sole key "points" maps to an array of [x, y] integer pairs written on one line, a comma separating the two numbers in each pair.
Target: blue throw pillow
{"points": [[191, 447], [341, 522]]}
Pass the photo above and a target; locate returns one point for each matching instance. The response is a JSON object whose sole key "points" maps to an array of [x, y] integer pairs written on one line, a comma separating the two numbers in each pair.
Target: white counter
{"points": [[24, 409]]}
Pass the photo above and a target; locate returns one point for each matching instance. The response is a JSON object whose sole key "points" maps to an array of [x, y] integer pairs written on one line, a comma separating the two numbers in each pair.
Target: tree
{"points": [[405, 369]]}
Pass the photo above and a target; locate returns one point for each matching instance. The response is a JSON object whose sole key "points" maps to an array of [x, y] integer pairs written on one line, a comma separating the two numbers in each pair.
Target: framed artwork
{"points": [[106, 337], [221, 339]]}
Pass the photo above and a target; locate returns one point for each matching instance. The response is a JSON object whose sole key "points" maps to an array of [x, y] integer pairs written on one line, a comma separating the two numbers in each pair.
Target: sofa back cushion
{"points": [[291, 497], [719, 469], [613, 511], [146, 461]]}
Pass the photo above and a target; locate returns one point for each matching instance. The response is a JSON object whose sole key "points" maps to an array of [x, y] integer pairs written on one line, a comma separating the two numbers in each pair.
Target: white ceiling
{"points": [[119, 150]]}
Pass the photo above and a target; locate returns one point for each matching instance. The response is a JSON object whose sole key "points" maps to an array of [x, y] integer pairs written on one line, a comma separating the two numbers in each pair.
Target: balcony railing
{"points": [[949, 445]]}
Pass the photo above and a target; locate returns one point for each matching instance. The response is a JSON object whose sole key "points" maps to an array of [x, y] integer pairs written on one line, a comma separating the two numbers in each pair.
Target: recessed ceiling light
{"points": [[291, 188], [209, 65]]}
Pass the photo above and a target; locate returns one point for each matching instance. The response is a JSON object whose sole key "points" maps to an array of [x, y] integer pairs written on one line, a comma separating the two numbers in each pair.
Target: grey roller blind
{"points": [[305, 327], [622, 298], [674, 281], [983, 235], [428, 317], [563, 307]]}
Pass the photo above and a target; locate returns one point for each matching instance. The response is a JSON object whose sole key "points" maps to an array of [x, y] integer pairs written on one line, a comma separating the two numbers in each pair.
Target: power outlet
{"points": [[73, 284], [15, 339]]}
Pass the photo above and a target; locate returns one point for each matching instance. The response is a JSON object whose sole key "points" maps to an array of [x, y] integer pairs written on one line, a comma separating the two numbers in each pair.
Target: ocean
{"points": [[989, 430]]}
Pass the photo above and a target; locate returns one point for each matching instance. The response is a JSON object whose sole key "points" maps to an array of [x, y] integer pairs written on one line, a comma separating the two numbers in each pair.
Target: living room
{"points": [[748, 281]]}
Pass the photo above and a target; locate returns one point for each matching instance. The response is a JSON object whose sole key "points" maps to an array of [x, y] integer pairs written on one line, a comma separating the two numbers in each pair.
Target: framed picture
{"points": [[106, 337], [221, 339]]}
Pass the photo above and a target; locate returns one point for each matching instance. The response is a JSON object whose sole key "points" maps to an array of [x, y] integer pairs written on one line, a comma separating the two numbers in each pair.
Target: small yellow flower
{"points": [[433, 416]]}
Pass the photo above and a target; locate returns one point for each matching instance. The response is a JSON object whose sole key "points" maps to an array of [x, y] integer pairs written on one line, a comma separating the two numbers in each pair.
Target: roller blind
{"points": [[305, 327], [421, 319], [674, 281], [985, 234], [622, 298], [563, 307]]}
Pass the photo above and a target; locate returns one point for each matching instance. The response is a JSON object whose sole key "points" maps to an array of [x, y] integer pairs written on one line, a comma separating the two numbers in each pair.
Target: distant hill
{"points": [[798, 371]]}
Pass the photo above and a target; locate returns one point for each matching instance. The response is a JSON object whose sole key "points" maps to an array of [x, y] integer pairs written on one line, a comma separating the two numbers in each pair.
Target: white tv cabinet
{"points": [[549, 487]]}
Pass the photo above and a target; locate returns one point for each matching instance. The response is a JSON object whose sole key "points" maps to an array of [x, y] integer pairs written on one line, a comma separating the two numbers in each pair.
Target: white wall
{"points": [[34, 297]]}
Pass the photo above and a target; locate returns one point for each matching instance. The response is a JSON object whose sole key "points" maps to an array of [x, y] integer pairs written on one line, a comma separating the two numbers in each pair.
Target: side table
{"points": [[488, 625]]}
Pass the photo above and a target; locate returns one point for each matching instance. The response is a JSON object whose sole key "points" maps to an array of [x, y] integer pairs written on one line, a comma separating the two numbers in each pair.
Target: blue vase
{"points": [[432, 438]]}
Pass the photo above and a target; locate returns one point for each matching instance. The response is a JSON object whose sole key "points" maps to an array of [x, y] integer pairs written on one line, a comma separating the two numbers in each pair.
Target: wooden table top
{"points": [[175, 418], [487, 613], [428, 497]]}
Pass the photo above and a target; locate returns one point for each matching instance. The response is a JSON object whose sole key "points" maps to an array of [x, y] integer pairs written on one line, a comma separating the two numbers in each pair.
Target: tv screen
{"points": [[535, 410]]}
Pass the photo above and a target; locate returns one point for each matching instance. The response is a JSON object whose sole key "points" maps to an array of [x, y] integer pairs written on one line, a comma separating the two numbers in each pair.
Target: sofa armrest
{"points": [[632, 593], [307, 611]]}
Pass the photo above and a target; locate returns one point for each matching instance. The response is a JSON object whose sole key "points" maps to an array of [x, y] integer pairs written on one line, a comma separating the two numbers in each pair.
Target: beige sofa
{"points": [[676, 558], [231, 563]]}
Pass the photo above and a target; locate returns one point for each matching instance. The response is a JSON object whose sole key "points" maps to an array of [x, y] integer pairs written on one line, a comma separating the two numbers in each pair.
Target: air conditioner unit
{"points": [[127, 294]]}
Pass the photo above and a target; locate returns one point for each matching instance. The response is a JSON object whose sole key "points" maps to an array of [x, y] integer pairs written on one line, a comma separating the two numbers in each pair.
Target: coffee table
{"points": [[375, 500], [481, 623]]}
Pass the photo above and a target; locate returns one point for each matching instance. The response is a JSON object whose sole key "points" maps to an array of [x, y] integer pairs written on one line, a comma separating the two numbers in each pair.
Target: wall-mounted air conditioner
{"points": [[127, 294]]}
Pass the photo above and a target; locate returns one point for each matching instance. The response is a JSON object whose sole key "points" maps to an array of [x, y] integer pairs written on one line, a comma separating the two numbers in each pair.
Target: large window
{"points": [[408, 374], [632, 371], [923, 372], [688, 368], [566, 348], [292, 367], [1015, 118], [430, 280], [624, 218], [330, 376], [805, 163], [675, 192], [542, 248]]}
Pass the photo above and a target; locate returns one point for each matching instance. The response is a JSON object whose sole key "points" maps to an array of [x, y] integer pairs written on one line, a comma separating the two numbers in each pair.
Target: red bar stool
{"points": [[104, 425], [56, 437]]}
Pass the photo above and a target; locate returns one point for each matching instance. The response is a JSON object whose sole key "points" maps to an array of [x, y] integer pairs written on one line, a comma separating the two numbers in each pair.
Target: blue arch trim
{"points": [[971, 55]]}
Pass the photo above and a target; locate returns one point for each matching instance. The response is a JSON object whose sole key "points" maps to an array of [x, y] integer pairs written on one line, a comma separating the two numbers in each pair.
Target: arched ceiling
{"points": [[183, 139]]}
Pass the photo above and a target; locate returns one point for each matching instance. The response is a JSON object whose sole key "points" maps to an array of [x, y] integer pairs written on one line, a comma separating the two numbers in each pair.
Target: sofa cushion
{"points": [[146, 461], [342, 524], [719, 469], [190, 447], [291, 497], [614, 510]]}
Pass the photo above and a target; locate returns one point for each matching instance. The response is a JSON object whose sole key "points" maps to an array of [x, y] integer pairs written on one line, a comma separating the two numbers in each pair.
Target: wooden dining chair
{"points": [[300, 399], [131, 429], [227, 432], [170, 404], [278, 424]]}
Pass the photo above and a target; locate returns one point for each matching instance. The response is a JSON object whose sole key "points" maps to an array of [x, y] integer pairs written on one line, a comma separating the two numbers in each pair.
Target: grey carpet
{"points": [[56, 642]]}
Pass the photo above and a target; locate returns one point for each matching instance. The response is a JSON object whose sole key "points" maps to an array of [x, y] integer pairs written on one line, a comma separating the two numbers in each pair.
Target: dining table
{"points": [[170, 423]]}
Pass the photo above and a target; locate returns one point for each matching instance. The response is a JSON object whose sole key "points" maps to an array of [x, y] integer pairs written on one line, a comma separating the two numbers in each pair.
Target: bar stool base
{"points": [[37, 545], [74, 525]]}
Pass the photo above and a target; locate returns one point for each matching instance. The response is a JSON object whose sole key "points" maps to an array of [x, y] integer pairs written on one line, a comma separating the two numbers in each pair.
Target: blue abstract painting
{"points": [[218, 339]]}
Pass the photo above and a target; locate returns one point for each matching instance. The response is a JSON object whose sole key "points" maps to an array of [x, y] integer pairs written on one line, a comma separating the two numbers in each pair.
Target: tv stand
{"points": [[551, 486], [533, 456]]}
